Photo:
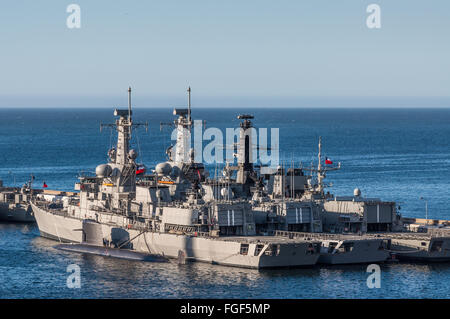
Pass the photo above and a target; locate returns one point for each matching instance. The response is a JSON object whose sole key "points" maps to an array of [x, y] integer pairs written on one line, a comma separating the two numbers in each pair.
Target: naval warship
{"points": [[342, 217], [253, 216], [281, 205], [14, 203], [172, 212], [289, 202]]}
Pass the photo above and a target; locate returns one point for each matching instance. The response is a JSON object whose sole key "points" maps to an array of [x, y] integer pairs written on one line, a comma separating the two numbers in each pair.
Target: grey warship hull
{"points": [[346, 249], [420, 247], [226, 251], [364, 251]]}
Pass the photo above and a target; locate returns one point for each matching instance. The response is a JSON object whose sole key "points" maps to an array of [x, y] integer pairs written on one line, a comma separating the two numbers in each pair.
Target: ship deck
{"points": [[327, 236], [411, 235]]}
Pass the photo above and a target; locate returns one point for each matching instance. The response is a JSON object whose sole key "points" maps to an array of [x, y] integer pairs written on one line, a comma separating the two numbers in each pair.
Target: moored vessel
{"points": [[14, 204], [166, 213]]}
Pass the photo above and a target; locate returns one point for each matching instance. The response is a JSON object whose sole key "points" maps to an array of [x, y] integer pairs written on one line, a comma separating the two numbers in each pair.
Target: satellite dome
{"points": [[163, 168], [103, 170], [132, 154], [357, 192]]}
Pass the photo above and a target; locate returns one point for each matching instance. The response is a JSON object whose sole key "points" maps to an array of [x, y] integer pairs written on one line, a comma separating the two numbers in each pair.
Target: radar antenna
{"points": [[124, 127], [321, 170]]}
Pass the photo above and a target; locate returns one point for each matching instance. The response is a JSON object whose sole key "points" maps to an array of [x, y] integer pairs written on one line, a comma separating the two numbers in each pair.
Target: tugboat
{"points": [[166, 213]]}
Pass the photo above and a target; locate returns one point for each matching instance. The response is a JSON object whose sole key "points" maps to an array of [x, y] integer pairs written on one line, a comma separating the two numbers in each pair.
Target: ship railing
{"points": [[439, 233], [98, 209], [185, 230], [411, 235], [203, 234], [321, 236], [291, 234], [142, 228], [416, 247], [60, 211]]}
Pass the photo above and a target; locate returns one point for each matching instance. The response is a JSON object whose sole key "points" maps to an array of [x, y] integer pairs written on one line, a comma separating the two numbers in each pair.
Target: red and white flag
{"points": [[328, 161], [140, 170]]}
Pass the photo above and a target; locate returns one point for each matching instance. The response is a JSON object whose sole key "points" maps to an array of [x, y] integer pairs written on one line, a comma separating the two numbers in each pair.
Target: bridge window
{"points": [[310, 250], [437, 246], [258, 249], [331, 247], [348, 247], [244, 249]]}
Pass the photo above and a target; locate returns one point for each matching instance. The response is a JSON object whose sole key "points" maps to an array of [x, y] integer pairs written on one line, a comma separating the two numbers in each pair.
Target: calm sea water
{"points": [[394, 154]]}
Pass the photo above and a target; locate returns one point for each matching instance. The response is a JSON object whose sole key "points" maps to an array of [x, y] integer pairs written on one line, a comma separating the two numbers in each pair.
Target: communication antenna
{"points": [[129, 103], [189, 107]]}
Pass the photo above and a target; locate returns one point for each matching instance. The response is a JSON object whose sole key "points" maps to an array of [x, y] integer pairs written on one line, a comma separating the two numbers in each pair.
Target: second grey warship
{"points": [[281, 206], [14, 203]]}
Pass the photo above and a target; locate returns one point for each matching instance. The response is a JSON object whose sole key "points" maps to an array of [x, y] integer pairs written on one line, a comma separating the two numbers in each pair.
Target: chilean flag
{"points": [[140, 170], [328, 161], [44, 186]]}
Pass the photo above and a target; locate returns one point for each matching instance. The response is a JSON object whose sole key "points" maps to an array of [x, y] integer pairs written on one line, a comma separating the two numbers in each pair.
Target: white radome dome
{"points": [[103, 170], [163, 168]]}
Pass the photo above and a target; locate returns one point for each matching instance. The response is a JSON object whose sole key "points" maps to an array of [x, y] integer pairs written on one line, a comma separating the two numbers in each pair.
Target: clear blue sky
{"points": [[249, 52]]}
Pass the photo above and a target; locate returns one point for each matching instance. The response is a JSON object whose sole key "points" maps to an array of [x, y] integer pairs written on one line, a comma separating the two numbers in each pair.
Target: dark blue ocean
{"points": [[394, 154]]}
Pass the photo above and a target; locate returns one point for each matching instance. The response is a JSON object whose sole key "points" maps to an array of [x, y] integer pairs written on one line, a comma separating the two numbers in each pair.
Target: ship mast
{"points": [[321, 170], [124, 133], [183, 130], [129, 104], [319, 167], [189, 108], [124, 127]]}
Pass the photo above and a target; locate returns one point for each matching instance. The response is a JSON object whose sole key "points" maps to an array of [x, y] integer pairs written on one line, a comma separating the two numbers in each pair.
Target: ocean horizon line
{"points": [[205, 102]]}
